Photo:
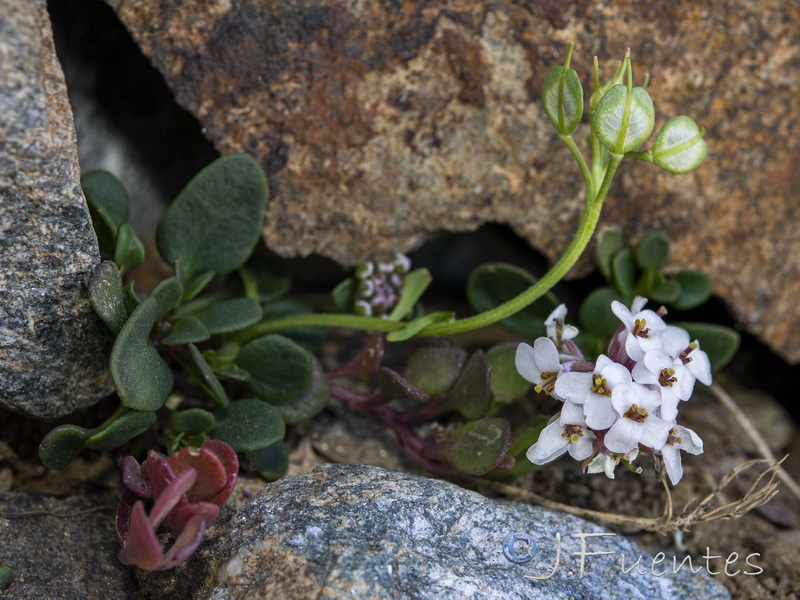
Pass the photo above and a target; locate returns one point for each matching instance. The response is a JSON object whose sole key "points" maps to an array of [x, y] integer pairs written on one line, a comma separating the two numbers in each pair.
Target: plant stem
{"points": [[589, 219]]}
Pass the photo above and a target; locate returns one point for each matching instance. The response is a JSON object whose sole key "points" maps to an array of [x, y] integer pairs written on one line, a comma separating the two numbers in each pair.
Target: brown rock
{"points": [[53, 348], [382, 124]]}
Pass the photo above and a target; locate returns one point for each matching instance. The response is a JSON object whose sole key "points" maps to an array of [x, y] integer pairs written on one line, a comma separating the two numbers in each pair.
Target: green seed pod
{"points": [[624, 118], [679, 146], [562, 97]]}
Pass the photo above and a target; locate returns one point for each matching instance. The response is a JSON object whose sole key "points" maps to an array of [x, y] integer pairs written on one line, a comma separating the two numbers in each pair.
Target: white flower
{"points": [[638, 424], [593, 391], [680, 438], [606, 463], [675, 341], [557, 438], [674, 380], [539, 365], [556, 329], [643, 326]]}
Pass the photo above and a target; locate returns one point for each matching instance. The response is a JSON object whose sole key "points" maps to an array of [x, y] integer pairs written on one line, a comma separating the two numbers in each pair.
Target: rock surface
{"points": [[363, 532], [382, 124], [61, 557], [53, 348]]}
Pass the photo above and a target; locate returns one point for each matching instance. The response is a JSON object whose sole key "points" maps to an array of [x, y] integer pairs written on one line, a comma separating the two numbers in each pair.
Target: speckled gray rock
{"points": [[348, 531], [71, 557], [53, 349]]}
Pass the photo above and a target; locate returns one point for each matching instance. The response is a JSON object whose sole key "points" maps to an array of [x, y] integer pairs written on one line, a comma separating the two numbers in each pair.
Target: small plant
{"points": [[215, 362], [188, 488]]}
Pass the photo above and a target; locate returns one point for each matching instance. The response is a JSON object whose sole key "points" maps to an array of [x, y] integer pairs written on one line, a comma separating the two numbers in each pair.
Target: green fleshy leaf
{"points": [[308, 337], [265, 278], [279, 369], [168, 295], [652, 251], [129, 250], [679, 145], [105, 295], [506, 382], [5, 576], [108, 206], [718, 341], [665, 291], [194, 421], [414, 285], [196, 285], [142, 379], [608, 119], [62, 445], [130, 297], [476, 448], [231, 372], [412, 328], [562, 99], [623, 271], [492, 284], [595, 311], [215, 222], [342, 295], [523, 440], [309, 403], [609, 242], [248, 425], [186, 330], [434, 368], [203, 374], [470, 393], [270, 463], [121, 430], [225, 316], [393, 386], [696, 289]]}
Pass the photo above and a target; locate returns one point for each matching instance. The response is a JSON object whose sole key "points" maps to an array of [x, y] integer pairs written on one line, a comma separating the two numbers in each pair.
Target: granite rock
{"points": [[383, 123], [363, 532], [61, 548], [53, 348]]}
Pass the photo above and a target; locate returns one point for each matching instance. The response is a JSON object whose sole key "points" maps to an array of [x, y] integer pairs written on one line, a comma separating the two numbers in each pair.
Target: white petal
{"points": [[622, 313], [674, 340], [582, 449], [572, 414], [638, 304], [669, 405], [602, 463], [560, 312], [690, 441], [622, 396], [550, 445], [525, 361], [700, 366], [652, 322], [546, 355], [649, 399], [601, 363], [623, 436], [684, 385], [656, 432], [573, 386], [656, 360], [569, 332], [672, 461], [616, 374], [600, 413], [642, 374], [633, 349]]}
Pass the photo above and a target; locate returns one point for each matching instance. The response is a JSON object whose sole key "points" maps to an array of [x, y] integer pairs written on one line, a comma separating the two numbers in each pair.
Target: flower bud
{"points": [[562, 97], [679, 145]]}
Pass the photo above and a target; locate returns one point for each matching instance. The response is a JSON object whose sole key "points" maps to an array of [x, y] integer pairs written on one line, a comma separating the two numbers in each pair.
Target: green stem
{"points": [[320, 320], [589, 219], [587, 176]]}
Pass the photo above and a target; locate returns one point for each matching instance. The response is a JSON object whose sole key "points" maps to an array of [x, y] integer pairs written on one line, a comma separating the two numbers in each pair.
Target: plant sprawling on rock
{"points": [[218, 362]]}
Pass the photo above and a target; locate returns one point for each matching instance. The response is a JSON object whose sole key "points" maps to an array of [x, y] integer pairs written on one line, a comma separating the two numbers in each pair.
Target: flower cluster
{"points": [[624, 403], [188, 488], [379, 284]]}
